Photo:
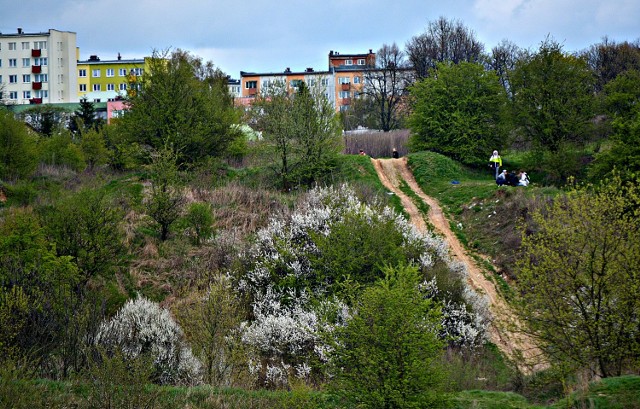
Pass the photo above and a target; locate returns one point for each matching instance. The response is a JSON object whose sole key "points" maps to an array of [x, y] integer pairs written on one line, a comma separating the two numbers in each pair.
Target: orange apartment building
{"points": [[342, 81]]}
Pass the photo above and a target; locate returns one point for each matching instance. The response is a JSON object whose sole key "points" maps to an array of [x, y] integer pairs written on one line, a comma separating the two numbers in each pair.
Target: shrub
{"points": [[142, 327]]}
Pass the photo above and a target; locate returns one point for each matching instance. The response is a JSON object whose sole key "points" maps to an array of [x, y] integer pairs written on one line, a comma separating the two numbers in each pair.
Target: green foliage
{"points": [[458, 111], [86, 226], [387, 354], [199, 220], [358, 249], [622, 98], [578, 278], [184, 102], [46, 119], [60, 150], [552, 97], [301, 130], [209, 319], [84, 119], [36, 287], [165, 201], [94, 149], [18, 151]]}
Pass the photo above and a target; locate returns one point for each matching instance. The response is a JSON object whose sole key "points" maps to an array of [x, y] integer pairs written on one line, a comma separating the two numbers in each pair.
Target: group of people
{"points": [[504, 177]]}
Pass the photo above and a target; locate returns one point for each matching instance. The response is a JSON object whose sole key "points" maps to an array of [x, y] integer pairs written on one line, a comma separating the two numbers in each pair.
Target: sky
{"points": [[271, 35]]}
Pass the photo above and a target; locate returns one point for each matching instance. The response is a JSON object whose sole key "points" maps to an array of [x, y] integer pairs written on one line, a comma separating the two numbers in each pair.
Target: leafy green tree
{"points": [[553, 97], [18, 148], [199, 219], [300, 128], [184, 102], [165, 201], [622, 104], [86, 226], [387, 354], [94, 149], [60, 150], [578, 278], [36, 287], [459, 112]]}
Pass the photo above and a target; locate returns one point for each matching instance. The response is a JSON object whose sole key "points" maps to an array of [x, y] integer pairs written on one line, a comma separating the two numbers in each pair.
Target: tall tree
{"points": [[459, 112], [552, 97], [18, 148], [443, 40], [301, 128], [503, 59], [579, 278], [184, 102], [386, 86], [608, 59]]}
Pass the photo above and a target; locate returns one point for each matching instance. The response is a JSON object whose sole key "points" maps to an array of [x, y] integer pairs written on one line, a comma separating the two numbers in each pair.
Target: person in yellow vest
{"points": [[495, 163]]}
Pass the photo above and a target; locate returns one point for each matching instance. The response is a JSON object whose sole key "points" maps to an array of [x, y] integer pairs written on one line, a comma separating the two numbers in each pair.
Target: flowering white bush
{"points": [[293, 301], [142, 326]]}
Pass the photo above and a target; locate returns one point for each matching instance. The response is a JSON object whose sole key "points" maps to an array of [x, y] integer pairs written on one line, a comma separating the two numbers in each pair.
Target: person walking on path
{"points": [[495, 162], [395, 154]]}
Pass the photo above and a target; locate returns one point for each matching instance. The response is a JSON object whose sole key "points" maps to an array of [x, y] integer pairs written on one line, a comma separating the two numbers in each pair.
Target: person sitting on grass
{"points": [[502, 178]]}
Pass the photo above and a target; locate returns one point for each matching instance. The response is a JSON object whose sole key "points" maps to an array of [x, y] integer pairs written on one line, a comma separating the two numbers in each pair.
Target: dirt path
{"points": [[512, 343]]}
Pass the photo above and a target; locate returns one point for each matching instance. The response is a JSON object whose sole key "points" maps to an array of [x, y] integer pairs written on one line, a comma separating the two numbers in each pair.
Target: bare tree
{"points": [[608, 59], [503, 59], [386, 84], [443, 40]]}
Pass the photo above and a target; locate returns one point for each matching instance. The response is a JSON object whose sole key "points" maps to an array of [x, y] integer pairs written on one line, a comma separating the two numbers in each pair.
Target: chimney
{"points": [[288, 70], [309, 69], [19, 30], [370, 51], [119, 57]]}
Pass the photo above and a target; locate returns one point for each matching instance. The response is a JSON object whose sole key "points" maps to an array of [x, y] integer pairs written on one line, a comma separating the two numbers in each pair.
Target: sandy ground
{"points": [[503, 331]]}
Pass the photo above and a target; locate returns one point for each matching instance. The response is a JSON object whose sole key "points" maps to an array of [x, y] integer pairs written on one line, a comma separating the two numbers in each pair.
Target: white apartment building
{"points": [[38, 68]]}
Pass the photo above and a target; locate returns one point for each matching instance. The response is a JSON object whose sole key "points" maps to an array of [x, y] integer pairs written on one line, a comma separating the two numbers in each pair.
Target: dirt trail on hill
{"points": [[514, 344]]}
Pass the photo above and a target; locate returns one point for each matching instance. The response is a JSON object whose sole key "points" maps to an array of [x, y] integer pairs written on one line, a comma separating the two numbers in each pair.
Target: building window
{"points": [[348, 62], [295, 83], [361, 61], [95, 73], [25, 45], [12, 47], [110, 72], [40, 61], [324, 82], [26, 78], [96, 100], [96, 87], [344, 80], [82, 73], [122, 72], [83, 87], [356, 80], [26, 62], [137, 71], [111, 87], [0, 81], [13, 94], [13, 79], [0, 63], [39, 45], [41, 77], [13, 62], [251, 84], [345, 94], [123, 86], [43, 93], [26, 94]]}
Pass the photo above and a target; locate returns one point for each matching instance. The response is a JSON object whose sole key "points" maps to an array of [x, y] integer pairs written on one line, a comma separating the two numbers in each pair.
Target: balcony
{"points": [[35, 101], [253, 91], [346, 87], [36, 53], [36, 85], [36, 69], [346, 101]]}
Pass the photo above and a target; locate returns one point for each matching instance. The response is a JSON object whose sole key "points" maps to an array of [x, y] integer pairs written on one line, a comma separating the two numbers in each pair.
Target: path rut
{"points": [[503, 333]]}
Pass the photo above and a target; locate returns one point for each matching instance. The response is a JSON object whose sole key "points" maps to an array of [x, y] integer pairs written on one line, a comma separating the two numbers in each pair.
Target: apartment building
{"points": [[38, 68], [106, 80], [341, 82]]}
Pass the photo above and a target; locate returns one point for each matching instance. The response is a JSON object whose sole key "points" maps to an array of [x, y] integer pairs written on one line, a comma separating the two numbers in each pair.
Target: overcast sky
{"points": [[271, 35]]}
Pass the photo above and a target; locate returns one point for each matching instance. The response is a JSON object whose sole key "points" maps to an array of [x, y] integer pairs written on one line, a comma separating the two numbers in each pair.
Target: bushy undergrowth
{"points": [[303, 272]]}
